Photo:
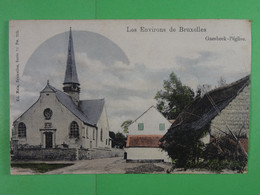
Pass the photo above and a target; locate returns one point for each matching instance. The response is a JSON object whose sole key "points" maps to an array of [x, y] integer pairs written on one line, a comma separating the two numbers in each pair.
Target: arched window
{"points": [[101, 135], [74, 130], [21, 130]]}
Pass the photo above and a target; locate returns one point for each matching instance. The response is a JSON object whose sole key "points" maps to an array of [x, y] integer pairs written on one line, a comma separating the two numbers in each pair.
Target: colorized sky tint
{"points": [[127, 69]]}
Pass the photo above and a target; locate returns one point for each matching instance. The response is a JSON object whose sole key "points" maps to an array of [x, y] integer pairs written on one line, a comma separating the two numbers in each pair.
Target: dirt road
{"points": [[101, 166], [105, 165], [115, 165]]}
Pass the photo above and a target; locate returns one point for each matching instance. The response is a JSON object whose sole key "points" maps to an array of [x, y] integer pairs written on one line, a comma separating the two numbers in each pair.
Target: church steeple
{"points": [[71, 82], [71, 75]]}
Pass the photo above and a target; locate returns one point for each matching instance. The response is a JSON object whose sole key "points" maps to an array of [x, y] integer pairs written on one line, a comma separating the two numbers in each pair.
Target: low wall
{"points": [[65, 154], [45, 154]]}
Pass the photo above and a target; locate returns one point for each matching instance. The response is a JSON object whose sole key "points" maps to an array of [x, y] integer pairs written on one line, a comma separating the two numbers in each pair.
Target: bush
{"points": [[184, 147], [217, 165]]}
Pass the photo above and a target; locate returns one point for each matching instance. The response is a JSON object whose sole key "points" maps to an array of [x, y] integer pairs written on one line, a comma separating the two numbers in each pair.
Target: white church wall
{"points": [[151, 120], [60, 120], [103, 124], [88, 141]]}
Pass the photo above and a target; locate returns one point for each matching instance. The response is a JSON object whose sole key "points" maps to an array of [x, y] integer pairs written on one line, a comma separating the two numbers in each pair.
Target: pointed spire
{"points": [[71, 82], [71, 75]]}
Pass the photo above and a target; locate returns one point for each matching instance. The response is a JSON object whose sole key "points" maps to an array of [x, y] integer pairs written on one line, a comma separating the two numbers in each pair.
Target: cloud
{"points": [[202, 58], [206, 67]]}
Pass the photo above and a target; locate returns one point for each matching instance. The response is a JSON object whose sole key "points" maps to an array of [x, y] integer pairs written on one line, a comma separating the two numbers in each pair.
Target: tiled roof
{"points": [[150, 141]]}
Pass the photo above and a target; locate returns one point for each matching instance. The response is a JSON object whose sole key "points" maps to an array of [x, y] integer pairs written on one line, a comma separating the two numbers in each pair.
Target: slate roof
{"points": [[197, 115], [88, 111], [92, 109], [71, 75], [149, 141]]}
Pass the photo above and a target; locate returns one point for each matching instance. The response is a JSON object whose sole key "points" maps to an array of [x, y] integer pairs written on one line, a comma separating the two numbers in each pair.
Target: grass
{"points": [[40, 167]]}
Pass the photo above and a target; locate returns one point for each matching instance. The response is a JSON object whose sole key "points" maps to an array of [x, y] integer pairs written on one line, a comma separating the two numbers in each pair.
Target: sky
{"points": [[126, 68]]}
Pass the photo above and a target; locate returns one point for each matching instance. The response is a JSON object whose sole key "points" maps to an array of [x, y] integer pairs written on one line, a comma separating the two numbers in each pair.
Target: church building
{"points": [[59, 119]]}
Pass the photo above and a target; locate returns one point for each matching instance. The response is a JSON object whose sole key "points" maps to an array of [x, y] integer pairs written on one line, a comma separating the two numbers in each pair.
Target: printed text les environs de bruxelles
{"points": [[182, 29]]}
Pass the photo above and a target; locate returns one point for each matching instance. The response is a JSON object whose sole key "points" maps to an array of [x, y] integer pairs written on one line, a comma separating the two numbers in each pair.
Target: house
{"points": [[59, 119], [151, 122], [222, 111], [144, 134]]}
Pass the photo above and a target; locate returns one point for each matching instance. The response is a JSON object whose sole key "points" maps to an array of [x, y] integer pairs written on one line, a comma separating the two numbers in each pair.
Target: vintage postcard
{"points": [[129, 96]]}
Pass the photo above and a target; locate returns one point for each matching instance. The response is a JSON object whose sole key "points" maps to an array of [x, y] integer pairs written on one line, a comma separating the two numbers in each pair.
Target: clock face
{"points": [[47, 113]]}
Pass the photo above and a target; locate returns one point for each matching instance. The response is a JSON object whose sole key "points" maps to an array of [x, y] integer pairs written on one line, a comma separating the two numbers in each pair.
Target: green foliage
{"points": [[219, 165], [184, 147], [174, 97], [125, 125], [119, 140], [224, 153], [188, 152]]}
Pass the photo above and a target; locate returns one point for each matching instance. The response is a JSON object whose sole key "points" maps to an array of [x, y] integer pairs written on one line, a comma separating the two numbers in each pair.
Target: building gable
{"points": [[151, 122], [47, 114]]}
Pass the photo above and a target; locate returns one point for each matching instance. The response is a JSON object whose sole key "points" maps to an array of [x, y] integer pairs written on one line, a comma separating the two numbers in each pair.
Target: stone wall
{"points": [[45, 154], [65, 154]]}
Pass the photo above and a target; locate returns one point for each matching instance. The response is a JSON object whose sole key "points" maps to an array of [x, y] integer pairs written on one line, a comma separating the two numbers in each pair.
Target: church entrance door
{"points": [[48, 139]]}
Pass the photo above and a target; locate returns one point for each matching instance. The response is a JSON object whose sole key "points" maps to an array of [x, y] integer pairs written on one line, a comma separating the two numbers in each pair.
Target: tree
{"points": [[125, 125], [184, 147], [119, 140], [174, 97]]}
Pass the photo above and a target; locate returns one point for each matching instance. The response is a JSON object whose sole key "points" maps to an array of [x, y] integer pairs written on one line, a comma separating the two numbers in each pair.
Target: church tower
{"points": [[71, 82]]}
